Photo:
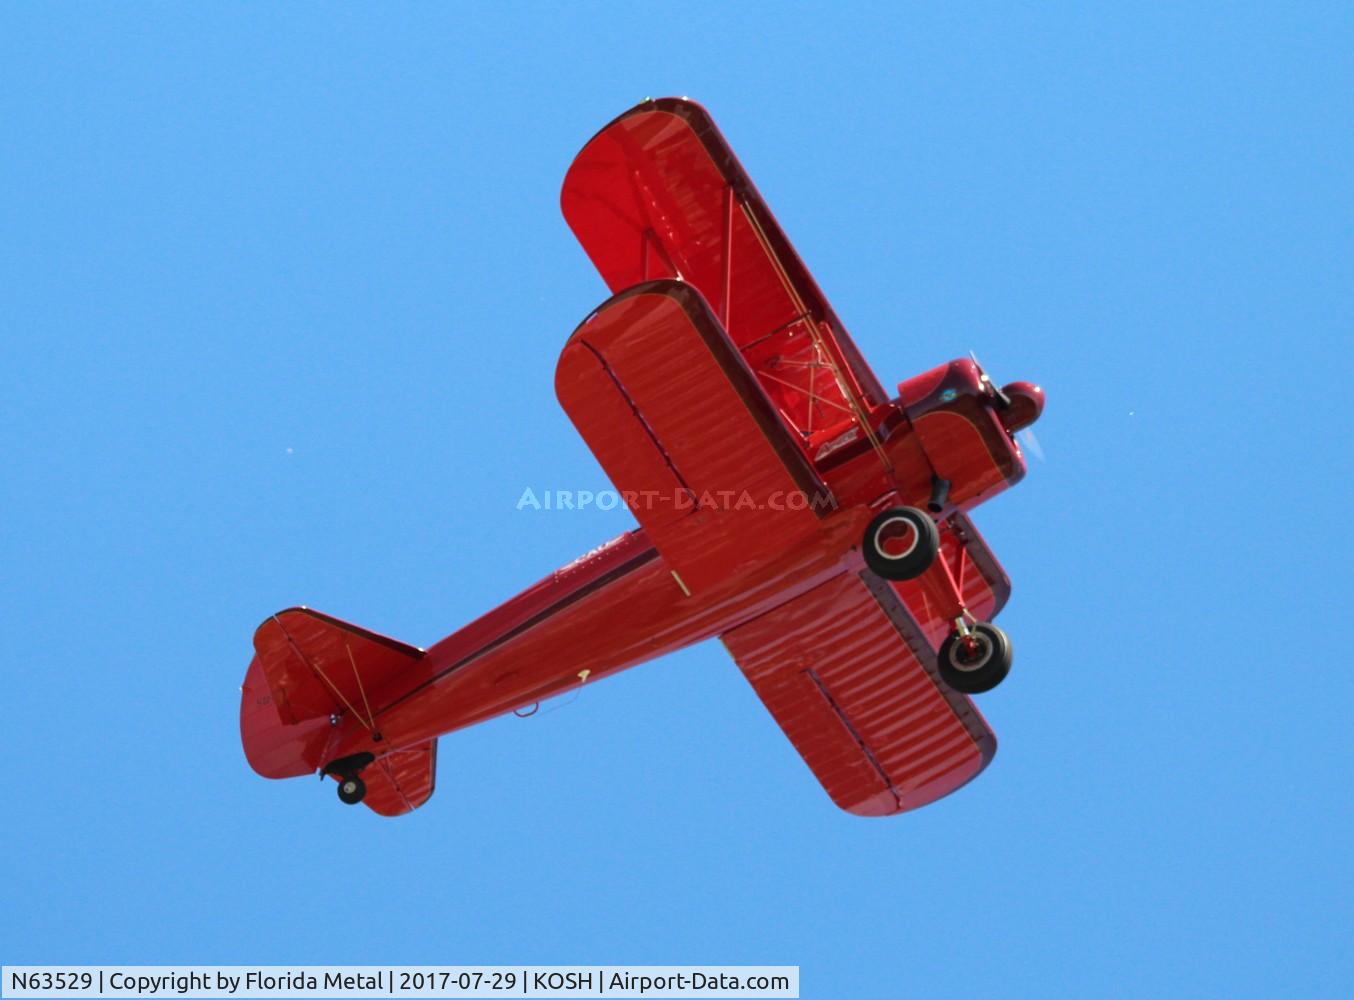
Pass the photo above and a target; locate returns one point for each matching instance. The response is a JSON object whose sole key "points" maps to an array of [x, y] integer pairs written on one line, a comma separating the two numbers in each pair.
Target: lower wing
{"points": [[848, 673]]}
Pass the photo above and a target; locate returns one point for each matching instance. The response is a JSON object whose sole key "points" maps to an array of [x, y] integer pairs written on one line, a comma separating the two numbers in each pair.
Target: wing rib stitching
{"points": [[869, 754]]}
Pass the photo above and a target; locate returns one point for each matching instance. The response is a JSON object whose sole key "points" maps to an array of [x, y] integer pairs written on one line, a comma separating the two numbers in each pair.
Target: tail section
{"points": [[402, 781], [317, 666], [308, 671], [276, 749]]}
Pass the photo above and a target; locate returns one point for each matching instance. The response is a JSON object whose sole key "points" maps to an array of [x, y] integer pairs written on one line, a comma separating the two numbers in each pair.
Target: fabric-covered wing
{"points": [[659, 193], [851, 680], [683, 430]]}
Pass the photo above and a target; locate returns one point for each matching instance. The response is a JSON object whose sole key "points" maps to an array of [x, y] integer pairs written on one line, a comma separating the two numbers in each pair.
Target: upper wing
{"points": [[658, 193], [848, 671], [684, 431]]}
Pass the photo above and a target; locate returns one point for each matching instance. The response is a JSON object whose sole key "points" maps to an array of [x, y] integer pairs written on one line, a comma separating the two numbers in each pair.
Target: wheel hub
{"points": [[972, 652], [896, 538]]}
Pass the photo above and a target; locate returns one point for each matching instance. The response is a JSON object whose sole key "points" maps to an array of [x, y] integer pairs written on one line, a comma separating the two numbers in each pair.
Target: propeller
{"points": [[1030, 442], [1025, 435]]}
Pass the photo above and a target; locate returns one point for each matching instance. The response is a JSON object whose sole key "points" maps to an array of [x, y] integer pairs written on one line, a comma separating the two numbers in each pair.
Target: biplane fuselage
{"points": [[756, 450]]}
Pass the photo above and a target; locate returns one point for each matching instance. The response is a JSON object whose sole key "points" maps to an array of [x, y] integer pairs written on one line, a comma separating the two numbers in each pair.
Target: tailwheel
{"points": [[352, 790], [901, 543], [975, 659]]}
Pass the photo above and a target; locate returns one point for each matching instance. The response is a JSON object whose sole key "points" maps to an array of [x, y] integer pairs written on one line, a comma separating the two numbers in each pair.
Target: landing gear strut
{"points": [[903, 543]]}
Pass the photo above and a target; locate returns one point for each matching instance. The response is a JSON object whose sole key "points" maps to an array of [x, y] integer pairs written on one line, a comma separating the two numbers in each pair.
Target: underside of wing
{"points": [[658, 193], [687, 435], [851, 680]]}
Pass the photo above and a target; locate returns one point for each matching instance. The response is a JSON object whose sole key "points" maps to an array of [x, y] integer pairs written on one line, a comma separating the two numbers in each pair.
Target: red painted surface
{"points": [[838, 671], [717, 375], [716, 504]]}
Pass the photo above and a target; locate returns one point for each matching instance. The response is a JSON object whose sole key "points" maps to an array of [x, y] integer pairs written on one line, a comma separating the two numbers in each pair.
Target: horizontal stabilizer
{"points": [[402, 781], [308, 668], [317, 666]]}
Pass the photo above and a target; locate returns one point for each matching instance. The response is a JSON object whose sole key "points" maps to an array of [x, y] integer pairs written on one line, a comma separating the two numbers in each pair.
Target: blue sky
{"points": [[281, 293]]}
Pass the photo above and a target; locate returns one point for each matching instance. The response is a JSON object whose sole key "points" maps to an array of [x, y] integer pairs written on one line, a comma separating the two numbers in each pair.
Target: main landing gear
{"points": [[351, 788], [975, 658], [902, 543]]}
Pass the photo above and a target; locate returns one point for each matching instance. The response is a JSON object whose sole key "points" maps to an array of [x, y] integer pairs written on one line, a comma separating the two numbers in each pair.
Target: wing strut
{"points": [[358, 676], [848, 391]]}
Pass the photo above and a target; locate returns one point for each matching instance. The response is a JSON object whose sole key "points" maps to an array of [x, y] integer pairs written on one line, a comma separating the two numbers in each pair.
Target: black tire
{"points": [[980, 670], [352, 790], [919, 538]]}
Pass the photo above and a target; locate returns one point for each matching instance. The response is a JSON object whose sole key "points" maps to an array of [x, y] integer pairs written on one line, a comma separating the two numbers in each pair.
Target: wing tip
{"points": [[692, 112]]}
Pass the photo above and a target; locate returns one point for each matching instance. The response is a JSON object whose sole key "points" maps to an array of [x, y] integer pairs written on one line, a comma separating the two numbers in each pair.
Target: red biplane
{"points": [[786, 504]]}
